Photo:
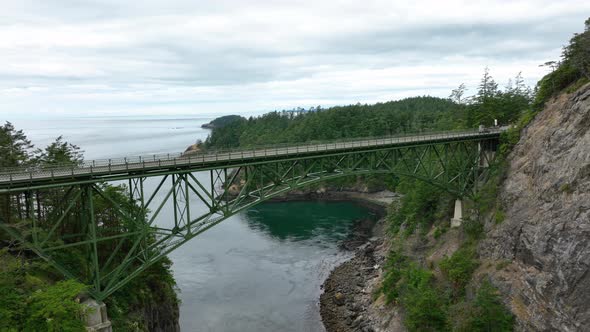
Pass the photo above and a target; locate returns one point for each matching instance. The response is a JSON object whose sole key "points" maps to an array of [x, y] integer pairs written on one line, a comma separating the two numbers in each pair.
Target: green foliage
{"points": [[473, 228], [459, 267], [223, 121], [227, 136], [32, 295], [499, 216], [60, 152], [439, 231], [486, 199], [353, 121], [56, 308], [571, 73], [412, 286], [394, 271], [28, 302], [12, 299], [14, 146], [566, 188], [490, 103], [11, 308], [555, 82], [428, 307], [420, 206], [489, 313], [155, 286], [409, 115], [424, 304], [577, 84], [577, 53]]}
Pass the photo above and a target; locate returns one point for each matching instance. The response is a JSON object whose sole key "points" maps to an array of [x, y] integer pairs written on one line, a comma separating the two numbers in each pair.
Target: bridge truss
{"points": [[115, 232]]}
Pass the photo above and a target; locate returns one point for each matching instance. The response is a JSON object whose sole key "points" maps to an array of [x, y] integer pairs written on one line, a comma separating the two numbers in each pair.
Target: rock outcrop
{"points": [[545, 236], [193, 148]]}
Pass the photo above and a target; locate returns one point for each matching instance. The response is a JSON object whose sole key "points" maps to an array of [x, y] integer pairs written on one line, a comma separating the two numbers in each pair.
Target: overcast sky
{"points": [[120, 57]]}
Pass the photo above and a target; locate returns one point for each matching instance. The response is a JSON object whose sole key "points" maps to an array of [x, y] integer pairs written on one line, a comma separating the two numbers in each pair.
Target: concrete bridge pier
{"points": [[96, 316], [458, 215]]}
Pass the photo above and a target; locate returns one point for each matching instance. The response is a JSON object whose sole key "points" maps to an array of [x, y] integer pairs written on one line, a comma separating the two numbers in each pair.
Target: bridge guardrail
{"points": [[119, 164]]}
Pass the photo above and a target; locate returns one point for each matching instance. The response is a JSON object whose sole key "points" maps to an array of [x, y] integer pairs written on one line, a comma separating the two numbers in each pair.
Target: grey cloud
{"points": [[233, 58]]}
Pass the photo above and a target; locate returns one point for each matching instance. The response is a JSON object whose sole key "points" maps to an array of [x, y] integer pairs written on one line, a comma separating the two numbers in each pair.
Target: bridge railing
{"points": [[8, 174]]}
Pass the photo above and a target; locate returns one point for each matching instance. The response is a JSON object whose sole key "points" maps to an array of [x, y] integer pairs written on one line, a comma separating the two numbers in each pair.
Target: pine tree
{"points": [[457, 94], [488, 88], [14, 147], [577, 53], [485, 102], [60, 152]]}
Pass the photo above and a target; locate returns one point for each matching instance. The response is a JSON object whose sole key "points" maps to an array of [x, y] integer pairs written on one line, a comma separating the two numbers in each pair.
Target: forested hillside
{"points": [[221, 121], [410, 115]]}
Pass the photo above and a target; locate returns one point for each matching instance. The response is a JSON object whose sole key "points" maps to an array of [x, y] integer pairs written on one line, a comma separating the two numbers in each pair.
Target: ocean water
{"points": [[259, 270], [117, 136]]}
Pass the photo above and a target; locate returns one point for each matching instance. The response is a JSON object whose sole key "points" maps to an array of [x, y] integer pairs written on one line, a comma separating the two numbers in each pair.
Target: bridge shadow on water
{"points": [[325, 223]]}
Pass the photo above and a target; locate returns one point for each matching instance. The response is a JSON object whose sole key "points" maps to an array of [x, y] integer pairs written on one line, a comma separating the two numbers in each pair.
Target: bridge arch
{"points": [[455, 165]]}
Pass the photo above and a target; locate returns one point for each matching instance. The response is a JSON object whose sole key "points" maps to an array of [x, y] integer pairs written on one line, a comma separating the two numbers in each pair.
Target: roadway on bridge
{"points": [[24, 177]]}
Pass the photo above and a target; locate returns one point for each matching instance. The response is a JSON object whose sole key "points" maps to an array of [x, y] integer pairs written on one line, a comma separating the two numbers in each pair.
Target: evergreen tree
{"points": [[457, 94], [577, 53], [60, 152], [14, 151], [485, 102], [14, 146]]}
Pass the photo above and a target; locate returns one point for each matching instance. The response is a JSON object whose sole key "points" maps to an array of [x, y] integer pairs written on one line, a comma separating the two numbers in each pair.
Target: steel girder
{"points": [[115, 232]]}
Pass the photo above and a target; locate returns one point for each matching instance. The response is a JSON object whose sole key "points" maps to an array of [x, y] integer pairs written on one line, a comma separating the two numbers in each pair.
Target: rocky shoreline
{"points": [[347, 302]]}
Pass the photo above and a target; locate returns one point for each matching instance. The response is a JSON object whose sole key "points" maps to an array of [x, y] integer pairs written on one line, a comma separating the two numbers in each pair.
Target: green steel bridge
{"points": [[53, 210]]}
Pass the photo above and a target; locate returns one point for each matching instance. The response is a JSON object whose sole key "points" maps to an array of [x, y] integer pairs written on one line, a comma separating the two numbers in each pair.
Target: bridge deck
{"points": [[152, 165]]}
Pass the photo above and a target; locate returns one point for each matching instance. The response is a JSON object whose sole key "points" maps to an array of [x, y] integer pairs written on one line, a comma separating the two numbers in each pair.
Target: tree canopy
{"points": [[410, 115]]}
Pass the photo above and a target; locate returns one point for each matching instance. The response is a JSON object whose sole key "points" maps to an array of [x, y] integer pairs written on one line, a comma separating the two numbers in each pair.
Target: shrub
{"points": [[566, 188], [553, 83], [412, 286], [420, 206], [394, 268], [56, 308], [483, 313], [424, 304], [11, 307], [490, 313], [459, 267], [499, 216], [473, 228]]}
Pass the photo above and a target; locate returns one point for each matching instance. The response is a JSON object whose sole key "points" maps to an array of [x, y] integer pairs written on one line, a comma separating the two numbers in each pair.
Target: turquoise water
{"points": [[260, 270]]}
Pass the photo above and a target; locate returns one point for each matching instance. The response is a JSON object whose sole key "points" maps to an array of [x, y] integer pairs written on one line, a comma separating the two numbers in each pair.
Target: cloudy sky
{"points": [[105, 57]]}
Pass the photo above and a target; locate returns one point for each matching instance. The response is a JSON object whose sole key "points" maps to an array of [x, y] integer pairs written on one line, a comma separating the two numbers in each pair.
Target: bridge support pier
{"points": [[96, 317], [458, 215]]}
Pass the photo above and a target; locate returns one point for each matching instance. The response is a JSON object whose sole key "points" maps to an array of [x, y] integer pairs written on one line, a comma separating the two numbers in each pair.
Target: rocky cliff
{"points": [[544, 239]]}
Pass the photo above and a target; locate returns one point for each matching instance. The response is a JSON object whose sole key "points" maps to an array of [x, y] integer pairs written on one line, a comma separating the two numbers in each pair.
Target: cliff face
{"points": [[160, 317], [546, 230], [148, 303]]}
